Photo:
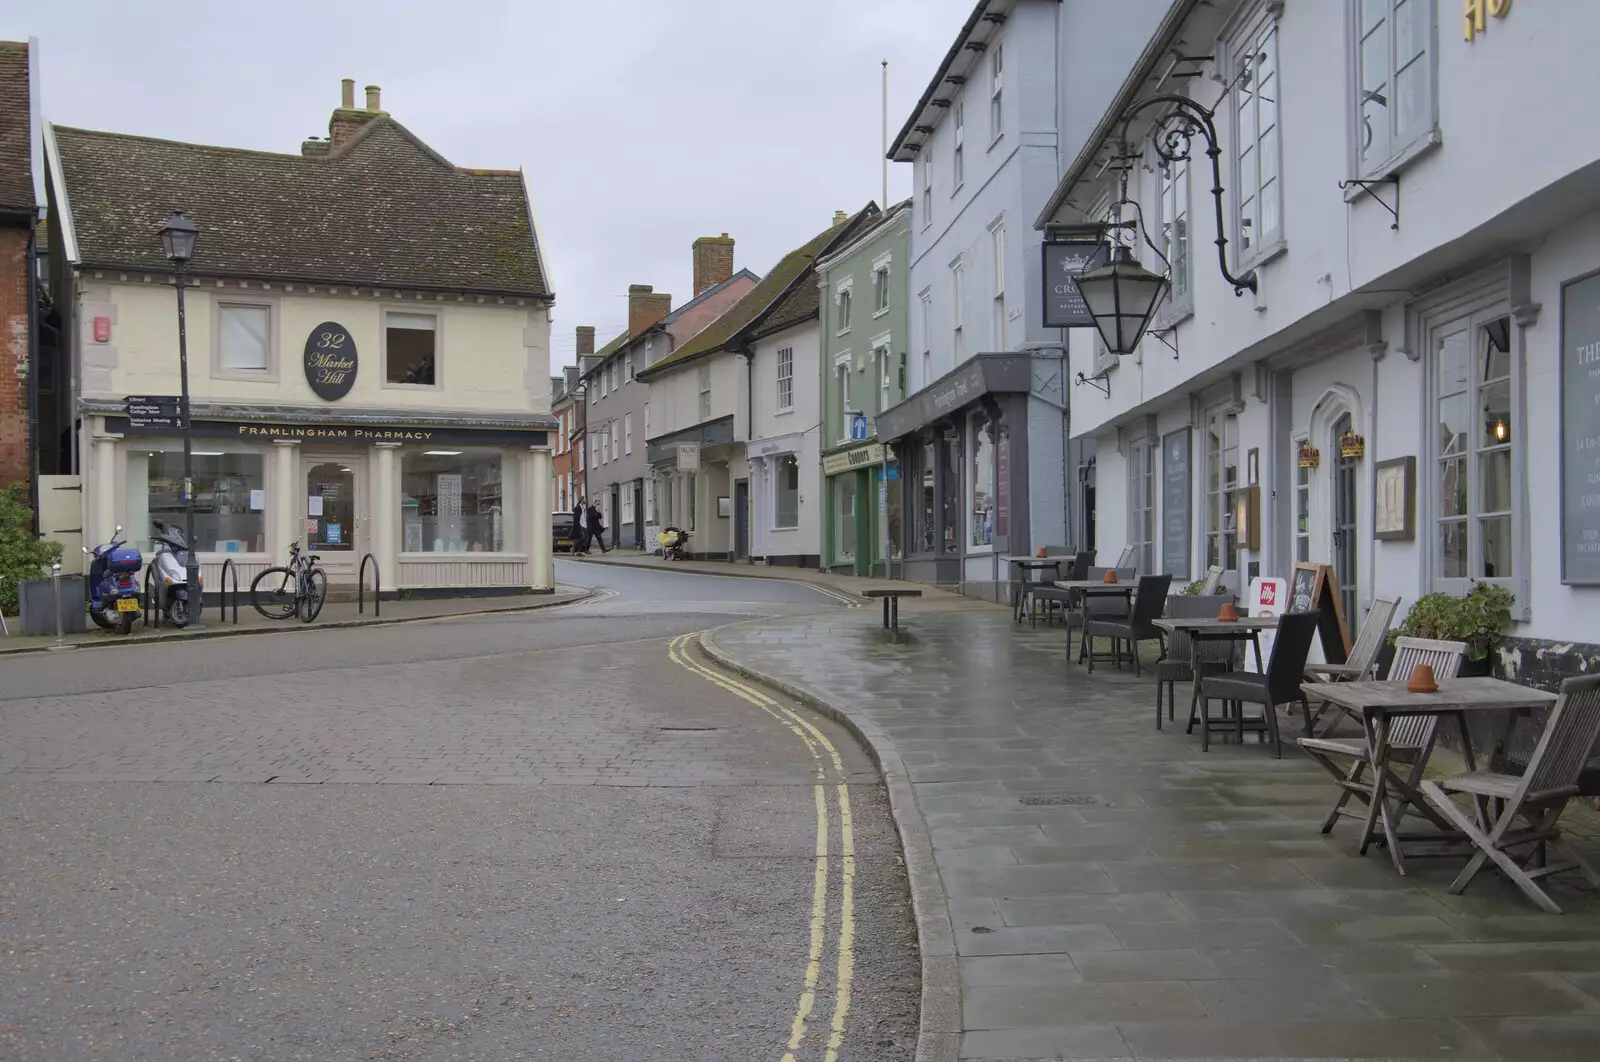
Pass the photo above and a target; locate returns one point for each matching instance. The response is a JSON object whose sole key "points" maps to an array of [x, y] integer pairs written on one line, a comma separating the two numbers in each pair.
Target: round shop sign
{"points": [[330, 361]]}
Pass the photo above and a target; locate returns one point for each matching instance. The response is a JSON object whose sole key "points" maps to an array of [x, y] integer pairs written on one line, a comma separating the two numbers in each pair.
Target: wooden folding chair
{"points": [[1127, 557], [1537, 799], [1358, 666], [1410, 739], [1213, 581]]}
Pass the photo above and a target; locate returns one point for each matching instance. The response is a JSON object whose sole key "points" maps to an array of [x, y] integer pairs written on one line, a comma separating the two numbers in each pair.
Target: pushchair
{"points": [[673, 541]]}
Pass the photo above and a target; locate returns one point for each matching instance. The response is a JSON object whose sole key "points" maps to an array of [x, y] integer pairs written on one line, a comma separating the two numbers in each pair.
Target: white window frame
{"points": [[997, 309], [1257, 31], [997, 117], [883, 359], [927, 184], [1142, 454], [616, 441], [925, 299], [882, 296], [600, 383], [1300, 533], [958, 291], [1472, 320], [958, 159], [438, 348], [647, 422], [627, 503], [649, 500], [843, 301], [1174, 199], [777, 479], [970, 487], [627, 433], [627, 366], [842, 365], [1401, 145], [705, 392], [785, 396], [1218, 503], [268, 373]]}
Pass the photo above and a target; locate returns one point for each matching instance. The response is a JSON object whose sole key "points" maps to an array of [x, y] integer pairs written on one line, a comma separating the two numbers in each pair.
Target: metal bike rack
{"points": [[222, 592], [377, 587], [152, 597]]}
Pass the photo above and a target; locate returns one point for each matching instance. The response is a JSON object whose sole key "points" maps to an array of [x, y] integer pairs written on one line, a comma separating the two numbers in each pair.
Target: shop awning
{"points": [[982, 375]]}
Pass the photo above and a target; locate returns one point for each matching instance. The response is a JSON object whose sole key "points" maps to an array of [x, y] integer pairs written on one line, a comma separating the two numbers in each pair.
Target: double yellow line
{"points": [[823, 754]]}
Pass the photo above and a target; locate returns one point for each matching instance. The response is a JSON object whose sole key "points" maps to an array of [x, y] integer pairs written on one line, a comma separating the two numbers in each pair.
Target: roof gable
{"points": [[16, 129], [385, 210], [749, 315]]}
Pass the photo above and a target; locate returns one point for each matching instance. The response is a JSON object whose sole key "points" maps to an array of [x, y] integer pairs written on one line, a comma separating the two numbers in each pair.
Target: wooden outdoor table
{"points": [[1022, 566], [1379, 703]]}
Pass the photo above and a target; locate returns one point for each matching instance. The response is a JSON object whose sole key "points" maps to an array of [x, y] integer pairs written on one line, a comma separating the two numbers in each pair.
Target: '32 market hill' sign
{"points": [[330, 361]]}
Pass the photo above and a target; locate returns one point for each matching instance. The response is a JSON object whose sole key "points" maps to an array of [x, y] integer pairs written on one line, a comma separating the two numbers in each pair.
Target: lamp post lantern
{"points": [[178, 238], [1121, 295]]}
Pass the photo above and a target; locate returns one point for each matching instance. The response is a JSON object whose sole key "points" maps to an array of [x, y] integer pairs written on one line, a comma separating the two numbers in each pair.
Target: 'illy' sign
{"points": [[330, 361]]}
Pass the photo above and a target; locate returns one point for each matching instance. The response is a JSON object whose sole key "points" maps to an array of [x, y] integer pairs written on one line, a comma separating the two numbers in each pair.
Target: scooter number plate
{"points": [[127, 604]]}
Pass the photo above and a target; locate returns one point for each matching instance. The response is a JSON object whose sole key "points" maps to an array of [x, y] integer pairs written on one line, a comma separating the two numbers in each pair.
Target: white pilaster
{"points": [[288, 503], [385, 520], [542, 574], [105, 492]]}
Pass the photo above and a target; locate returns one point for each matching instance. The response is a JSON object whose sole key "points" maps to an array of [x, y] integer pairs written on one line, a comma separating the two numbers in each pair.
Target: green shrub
{"points": [[1194, 588], [1477, 619], [22, 556]]}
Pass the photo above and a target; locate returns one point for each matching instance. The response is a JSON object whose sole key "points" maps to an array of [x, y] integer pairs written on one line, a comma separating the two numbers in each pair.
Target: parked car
{"points": [[564, 532]]}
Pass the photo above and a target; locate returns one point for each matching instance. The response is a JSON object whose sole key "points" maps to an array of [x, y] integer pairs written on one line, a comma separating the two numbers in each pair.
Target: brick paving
{"points": [[1111, 892]]}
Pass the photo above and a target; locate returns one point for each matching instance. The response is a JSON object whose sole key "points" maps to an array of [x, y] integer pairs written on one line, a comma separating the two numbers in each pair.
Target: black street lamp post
{"points": [[178, 237]]}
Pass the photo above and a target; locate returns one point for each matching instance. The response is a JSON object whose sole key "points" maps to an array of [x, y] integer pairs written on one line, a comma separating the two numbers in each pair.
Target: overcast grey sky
{"points": [[641, 124]]}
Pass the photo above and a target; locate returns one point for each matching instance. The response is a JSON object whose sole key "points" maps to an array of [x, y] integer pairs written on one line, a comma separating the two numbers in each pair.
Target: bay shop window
{"points": [[229, 494], [457, 501]]}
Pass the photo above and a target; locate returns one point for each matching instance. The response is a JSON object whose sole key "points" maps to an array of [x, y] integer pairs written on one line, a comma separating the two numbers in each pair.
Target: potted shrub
{"points": [[1193, 589], [1477, 619], [23, 558]]}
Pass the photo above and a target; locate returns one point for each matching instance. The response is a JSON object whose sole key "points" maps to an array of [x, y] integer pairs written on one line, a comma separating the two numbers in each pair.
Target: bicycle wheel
{"points": [[312, 595], [272, 593]]}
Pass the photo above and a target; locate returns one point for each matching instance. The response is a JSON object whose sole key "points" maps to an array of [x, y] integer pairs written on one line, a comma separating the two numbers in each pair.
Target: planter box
{"points": [[36, 599]]}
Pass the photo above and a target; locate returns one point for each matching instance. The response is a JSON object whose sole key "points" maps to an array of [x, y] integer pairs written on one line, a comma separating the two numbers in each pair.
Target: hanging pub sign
{"points": [[1352, 445], [330, 361], [1310, 456], [1063, 262]]}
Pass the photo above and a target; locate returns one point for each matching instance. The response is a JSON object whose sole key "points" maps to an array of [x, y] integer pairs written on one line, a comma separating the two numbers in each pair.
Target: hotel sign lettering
{"points": [[1580, 431], [330, 361]]}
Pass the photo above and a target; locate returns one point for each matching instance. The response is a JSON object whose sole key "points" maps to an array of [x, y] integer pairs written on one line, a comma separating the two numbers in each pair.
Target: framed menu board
{"points": [[1314, 586], [1175, 494], [1580, 431]]}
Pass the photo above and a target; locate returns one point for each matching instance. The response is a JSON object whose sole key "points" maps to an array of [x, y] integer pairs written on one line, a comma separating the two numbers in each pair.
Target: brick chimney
{"points": [[645, 308], [348, 119], [839, 218], [713, 262], [585, 334]]}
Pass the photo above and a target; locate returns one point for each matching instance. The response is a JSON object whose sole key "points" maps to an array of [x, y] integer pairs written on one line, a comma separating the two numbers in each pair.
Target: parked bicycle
{"points": [[299, 589]]}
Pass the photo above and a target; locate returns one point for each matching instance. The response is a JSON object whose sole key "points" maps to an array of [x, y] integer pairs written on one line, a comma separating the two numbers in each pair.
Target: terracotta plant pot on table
{"points": [[1422, 680], [1110, 576], [1228, 613]]}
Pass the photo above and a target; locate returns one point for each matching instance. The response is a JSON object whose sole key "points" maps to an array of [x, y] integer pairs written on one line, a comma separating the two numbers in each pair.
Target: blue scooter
{"points": [[113, 589]]}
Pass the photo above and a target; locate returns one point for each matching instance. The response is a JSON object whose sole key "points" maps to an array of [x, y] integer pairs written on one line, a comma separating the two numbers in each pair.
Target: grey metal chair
{"points": [[1410, 739], [1183, 653], [1528, 809], [1098, 606], [1040, 589], [1280, 685], [1138, 626]]}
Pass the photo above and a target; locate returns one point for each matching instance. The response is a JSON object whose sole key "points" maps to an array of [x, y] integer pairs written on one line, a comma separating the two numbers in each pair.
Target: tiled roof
{"points": [[772, 293], [16, 156], [383, 208]]}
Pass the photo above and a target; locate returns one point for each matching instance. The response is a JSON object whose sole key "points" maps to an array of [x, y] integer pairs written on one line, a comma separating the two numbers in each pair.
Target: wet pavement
{"points": [[1111, 892], [545, 835]]}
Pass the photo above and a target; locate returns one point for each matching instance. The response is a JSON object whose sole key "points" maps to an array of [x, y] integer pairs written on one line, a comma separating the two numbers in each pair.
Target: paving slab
{"points": [[1180, 905]]}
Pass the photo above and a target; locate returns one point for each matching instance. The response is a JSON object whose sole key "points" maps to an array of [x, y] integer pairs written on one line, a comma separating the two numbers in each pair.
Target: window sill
{"points": [[783, 412], [842, 332], [486, 557], [1401, 161], [957, 189], [1265, 255], [1173, 315], [246, 375], [792, 527], [391, 386], [879, 313], [993, 142]]}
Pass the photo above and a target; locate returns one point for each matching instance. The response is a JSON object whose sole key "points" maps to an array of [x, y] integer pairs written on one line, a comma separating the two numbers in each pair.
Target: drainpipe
{"points": [[749, 356]]}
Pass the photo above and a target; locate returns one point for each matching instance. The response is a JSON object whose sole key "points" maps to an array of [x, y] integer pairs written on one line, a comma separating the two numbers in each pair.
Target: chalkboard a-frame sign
{"points": [[330, 361], [1314, 586]]}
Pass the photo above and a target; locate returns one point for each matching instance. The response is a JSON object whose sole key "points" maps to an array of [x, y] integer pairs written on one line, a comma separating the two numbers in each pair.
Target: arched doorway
{"points": [[1334, 496]]}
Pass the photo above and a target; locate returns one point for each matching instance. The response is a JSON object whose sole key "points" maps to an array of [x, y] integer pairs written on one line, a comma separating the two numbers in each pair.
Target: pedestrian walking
{"points": [[597, 526], [580, 526]]}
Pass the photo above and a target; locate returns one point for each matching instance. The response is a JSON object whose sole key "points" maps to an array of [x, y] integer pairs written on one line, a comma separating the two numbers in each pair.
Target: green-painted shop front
{"points": [[851, 535]]}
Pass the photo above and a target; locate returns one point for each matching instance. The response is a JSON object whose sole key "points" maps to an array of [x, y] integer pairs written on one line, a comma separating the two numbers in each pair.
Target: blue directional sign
{"points": [[858, 426]]}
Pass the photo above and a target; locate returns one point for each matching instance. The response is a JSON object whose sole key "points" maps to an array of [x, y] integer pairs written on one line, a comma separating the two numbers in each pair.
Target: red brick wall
{"points": [[14, 462]]}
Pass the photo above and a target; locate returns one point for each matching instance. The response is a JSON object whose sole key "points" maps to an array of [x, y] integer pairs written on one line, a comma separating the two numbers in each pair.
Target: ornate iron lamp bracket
{"points": [[1175, 133]]}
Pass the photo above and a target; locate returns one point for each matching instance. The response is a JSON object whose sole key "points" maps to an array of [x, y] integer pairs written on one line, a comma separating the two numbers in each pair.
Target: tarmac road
{"points": [[547, 835]]}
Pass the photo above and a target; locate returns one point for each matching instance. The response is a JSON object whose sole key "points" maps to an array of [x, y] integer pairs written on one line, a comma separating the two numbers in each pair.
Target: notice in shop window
{"points": [[450, 494], [258, 500], [314, 505]]}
